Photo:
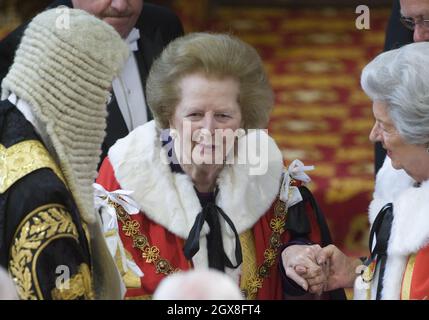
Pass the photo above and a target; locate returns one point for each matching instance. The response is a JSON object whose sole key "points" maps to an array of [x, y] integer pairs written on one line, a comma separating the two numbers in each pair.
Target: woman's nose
{"points": [[209, 123], [374, 135]]}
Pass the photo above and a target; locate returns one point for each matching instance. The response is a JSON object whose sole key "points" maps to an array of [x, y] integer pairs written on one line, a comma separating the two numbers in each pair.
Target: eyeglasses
{"points": [[410, 23]]}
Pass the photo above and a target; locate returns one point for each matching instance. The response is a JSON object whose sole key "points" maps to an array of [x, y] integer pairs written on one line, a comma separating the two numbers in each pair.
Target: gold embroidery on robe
{"points": [[254, 279], [21, 159], [38, 229], [271, 253], [78, 286]]}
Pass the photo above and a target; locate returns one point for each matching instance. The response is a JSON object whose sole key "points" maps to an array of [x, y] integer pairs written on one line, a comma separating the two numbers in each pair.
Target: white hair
{"points": [[7, 287], [207, 284], [400, 78]]}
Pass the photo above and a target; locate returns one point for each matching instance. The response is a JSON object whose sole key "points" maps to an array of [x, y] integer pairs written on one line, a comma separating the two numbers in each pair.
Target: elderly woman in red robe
{"points": [[203, 185]]}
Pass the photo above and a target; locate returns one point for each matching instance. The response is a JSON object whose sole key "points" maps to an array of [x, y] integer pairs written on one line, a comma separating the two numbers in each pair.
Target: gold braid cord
{"points": [[151, 254], [271, 253], [38, 229], [131, 228]]}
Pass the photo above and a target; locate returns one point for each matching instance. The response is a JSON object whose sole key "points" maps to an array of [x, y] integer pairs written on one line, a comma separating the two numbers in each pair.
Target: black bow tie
{"points": [[216, 254]]}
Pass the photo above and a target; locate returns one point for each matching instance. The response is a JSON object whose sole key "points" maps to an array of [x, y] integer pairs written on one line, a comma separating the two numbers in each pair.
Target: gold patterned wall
{"points": [[14, 12], [9, 18], [194, 14]]}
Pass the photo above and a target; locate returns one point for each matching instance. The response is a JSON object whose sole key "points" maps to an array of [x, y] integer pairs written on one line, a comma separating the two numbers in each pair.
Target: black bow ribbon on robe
{"points": [[216, 254], [381, 231]]}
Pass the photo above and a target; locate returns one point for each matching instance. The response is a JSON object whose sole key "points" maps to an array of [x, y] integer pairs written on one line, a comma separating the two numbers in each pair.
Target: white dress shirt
{"points": [[128, 88]]}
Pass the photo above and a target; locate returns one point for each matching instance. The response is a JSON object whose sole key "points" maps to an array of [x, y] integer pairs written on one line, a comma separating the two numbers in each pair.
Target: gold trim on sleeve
{"points": [[21, 159], [408, 276], [38, 229]]}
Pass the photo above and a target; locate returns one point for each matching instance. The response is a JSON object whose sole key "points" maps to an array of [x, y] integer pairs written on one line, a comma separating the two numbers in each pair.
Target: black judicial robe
{"points": [[43, 243]]}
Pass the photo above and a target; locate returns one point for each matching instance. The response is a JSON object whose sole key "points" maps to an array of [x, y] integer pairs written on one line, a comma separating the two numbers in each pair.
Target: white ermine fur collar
{"points": [[410, 227], [169, 199]]}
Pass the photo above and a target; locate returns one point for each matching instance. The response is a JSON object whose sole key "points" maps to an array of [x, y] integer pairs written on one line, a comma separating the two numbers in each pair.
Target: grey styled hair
{"points": [[214, 55], [400, 78]]}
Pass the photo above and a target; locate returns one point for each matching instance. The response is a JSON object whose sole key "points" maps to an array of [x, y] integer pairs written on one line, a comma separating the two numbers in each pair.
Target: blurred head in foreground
{"points": [[206, 284], [7, 288]]}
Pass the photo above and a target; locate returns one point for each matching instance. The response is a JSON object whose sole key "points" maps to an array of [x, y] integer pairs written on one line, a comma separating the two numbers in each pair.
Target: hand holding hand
{"points": [[341, 269], [300, 264]]}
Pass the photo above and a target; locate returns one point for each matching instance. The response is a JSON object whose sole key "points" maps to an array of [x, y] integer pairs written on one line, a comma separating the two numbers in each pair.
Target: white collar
{"points": [[169, 198], [132, 38], [410, 226], [29, 115], [26, 110]]}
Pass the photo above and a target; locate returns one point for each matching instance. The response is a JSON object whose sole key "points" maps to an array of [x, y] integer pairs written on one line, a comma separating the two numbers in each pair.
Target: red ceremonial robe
{"points": [[154, 237]]}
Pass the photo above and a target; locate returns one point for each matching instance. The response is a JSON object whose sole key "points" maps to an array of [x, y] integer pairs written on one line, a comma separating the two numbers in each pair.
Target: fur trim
{"points": [[169, 198], [410, 227], [388, 186], [393, 274]]}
